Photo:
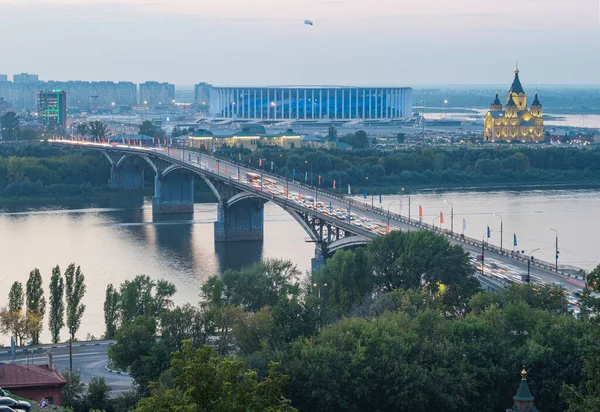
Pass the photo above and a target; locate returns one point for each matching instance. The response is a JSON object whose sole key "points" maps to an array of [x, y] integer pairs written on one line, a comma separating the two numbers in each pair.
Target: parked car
{"points": [[4, 408], [10, 402]]}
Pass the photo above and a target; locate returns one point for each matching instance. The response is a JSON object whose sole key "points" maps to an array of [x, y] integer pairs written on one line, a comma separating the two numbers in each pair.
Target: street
{"points": [[90, 358]]}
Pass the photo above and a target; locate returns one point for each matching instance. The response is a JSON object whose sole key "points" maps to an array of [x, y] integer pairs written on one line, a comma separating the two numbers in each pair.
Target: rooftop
{"points": [[19, 376]]}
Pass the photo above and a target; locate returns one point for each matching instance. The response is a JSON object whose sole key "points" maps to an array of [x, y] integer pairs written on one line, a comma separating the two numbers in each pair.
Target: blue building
{"points": [[307, 102]]}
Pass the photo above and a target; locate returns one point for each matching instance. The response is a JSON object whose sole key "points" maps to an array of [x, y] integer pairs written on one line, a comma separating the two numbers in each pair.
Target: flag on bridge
{"points": [[387, 226], [441, 218], [260, 162], [515, 239], [305, 176], [464, 225], [319, 180], [333, 184], [349, 192], [489, 232], [420, 212], [226, 170], [380, 200], [365, 194]]}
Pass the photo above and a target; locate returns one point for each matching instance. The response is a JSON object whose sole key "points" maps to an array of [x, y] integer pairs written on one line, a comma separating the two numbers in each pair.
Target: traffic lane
{"points": [[234, 170], [90, 359]]}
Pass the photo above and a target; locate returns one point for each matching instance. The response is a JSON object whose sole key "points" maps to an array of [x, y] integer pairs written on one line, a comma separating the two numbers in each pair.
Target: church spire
{"points": [[536, 101], [523, 398]]}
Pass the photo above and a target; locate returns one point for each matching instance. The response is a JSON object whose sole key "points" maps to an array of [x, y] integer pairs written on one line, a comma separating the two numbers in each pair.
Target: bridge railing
{"points": [[175, 153]]}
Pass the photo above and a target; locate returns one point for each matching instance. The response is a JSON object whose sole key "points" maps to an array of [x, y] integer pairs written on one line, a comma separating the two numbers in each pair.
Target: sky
{"points": [[265, 42]]}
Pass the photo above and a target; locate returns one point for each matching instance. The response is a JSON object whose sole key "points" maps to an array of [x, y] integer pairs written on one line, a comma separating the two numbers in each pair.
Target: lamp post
{"points": [[556, 250], [501, 230], [451, 217], [316, 285], [434, 219], [388, 217], [389, 207], [528, 279]]}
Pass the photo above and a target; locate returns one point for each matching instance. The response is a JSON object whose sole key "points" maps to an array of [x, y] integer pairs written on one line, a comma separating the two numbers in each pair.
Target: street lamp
{"points": [[434, 219], [501, 229], [556, 250], [316, 285], [528, 279], [451, 217]]}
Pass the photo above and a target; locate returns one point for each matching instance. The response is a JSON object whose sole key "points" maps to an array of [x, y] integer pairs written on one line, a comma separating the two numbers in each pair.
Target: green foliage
{"points": [[36, 304], [39, 169], [111, 311], [9, 126], [441, 166], [139, 351], [82, 129], [148, 128], [204, 382], [74, 291], [73, 393], [98, 130], [57, 307], [143, 296], [254, 288], [97, 395], [358, 140], [16, 297]]}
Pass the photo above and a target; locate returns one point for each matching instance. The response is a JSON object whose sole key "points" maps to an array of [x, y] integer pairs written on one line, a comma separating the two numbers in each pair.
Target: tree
{"points": [[73, 392], [400, 137], [143, 296], [111, 311], [15, 297], [75, 289], [348, 279], [14, 324], [147, 128], [204, 382], [139, 351], [97, 395], [332, 131], [411, 260], [82, 129], [98, 130], [9, 126], [36, 304], [57, 307]]}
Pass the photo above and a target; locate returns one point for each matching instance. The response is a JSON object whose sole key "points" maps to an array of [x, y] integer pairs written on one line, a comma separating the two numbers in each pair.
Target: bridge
{"points": [[332, 222]]}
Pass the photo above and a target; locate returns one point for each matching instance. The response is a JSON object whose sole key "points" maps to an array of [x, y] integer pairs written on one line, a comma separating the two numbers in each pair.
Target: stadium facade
{"points": [[306, 102]]}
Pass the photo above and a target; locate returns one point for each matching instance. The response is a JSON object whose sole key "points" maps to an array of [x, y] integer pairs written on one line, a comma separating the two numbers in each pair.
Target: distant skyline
{"points": [[258, 42]]}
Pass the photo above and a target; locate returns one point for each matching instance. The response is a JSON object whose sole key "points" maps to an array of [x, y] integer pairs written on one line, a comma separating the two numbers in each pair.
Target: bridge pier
{"points": [[173, 193], [129, 175], [241, 221]]}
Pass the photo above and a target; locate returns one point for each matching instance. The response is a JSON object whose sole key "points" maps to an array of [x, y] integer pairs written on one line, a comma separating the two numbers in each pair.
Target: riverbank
{"points": [[394, 190]]}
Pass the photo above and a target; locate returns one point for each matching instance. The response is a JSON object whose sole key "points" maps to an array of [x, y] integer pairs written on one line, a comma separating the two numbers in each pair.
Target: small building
{"points": [[249, 138], [523, 398], [33, 381], [314, 142]]}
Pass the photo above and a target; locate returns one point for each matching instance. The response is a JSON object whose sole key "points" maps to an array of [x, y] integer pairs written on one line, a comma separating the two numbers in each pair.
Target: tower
{"points": [[523, 398], [536, 107], [517, 93], [496, 105]]}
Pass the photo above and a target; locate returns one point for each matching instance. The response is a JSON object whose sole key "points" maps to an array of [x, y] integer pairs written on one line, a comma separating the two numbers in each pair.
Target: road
{"points": [[90, 358], [366, 221]]}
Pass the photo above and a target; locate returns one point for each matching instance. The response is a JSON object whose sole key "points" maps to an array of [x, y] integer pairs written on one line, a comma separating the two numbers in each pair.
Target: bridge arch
{"points": [[347, 242], [143, 156]]}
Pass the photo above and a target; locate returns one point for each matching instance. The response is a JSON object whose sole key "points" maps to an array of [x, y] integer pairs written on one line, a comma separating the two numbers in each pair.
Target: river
{"points": [[114, 242]]}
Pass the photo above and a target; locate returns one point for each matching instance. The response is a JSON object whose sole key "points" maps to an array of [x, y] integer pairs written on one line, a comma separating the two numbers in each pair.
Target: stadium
{"points": [[284, 103]]}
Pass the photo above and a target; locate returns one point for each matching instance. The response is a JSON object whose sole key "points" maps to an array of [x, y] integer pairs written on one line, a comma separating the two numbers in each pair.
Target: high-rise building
{"points": [[3, 78], [155, 93], [25, 78], [202, 94], [52, 108]]}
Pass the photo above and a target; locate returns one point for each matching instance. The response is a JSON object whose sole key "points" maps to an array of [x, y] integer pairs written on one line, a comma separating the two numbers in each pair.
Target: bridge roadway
{"points": [[366, 222]]}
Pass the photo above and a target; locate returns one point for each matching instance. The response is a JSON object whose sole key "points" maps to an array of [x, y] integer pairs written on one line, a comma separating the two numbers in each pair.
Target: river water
{"points": [[114, 242]]}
